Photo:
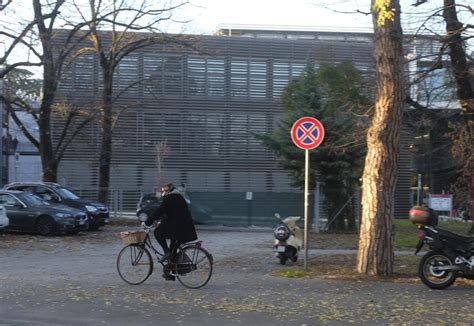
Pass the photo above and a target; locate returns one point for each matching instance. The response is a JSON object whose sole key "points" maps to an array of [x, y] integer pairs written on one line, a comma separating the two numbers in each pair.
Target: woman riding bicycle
{"points": [[176, 224]]}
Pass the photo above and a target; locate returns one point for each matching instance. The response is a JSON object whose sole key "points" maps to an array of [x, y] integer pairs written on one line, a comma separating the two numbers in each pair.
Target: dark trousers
{"points": [[161, 237]]}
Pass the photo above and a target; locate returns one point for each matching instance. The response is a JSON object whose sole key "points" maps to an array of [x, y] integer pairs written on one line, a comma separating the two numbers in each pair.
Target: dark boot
{"points": [[167, 273]]}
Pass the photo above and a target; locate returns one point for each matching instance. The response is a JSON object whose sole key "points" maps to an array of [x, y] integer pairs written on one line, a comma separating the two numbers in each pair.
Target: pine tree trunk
{"points": [[376, 255]]}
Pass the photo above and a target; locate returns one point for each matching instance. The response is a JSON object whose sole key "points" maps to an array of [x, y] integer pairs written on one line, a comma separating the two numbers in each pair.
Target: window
{"points": [[152, 74], [215, 77], [258, 78], [46, 194], [173, 75], [126, 75], [249, 77], [437, 88], [239, 77], [283, 72], [206, 76], [84, 72], [196, 76], [8, 200]]}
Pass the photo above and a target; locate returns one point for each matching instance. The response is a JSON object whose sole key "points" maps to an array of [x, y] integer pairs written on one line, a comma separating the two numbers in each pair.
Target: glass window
{"points": [[197, 76], [258, 78], [173, 75], [215, 77], [281, 75], [8, 200], [67, 194], [126, 74], [437, 88], [84, 72], [239, 77], [46, 194], [152, 75]]}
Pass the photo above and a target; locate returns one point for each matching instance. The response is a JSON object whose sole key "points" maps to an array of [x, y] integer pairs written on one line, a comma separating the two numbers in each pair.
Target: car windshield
{"points": [[66, 193], [33, 200]]}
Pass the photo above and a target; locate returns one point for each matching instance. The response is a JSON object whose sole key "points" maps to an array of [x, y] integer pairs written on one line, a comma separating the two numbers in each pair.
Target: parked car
{"points": [[98, 213], [149, 202], [28, 212], [4, 220]]}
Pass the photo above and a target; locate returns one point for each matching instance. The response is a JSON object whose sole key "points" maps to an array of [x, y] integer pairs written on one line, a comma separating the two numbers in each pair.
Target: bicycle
{"points": [[192, 265]]}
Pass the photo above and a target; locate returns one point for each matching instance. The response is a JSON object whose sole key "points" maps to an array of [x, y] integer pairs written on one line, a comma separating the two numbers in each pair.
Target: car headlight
{"points": [[91, 209], [63, 215]]}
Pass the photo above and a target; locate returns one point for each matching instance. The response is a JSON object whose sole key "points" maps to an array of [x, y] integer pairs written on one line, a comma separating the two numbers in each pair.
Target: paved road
{"points": [[72, 280]]}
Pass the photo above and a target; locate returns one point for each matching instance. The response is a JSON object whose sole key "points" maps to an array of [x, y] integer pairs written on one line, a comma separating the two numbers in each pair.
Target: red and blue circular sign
{"points": [[307, 133]]}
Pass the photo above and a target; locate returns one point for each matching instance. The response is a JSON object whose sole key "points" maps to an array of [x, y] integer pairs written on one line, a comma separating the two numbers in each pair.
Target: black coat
{"points": [[175, 218]]}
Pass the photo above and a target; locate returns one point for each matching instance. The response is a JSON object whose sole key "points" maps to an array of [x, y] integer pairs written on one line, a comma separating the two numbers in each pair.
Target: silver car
{"points": [[4, 221]]}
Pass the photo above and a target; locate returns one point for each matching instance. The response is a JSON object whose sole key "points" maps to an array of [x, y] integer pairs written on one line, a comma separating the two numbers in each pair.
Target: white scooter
{"points": [[288, 239]]}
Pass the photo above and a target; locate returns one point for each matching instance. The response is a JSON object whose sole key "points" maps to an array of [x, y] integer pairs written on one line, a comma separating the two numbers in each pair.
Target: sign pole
{"points": [[306, 173], [307, 133]]}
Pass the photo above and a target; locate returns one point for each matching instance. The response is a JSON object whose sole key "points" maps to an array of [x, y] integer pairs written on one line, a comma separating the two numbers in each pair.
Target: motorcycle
{"points": [[450, 255], [288, 239]]}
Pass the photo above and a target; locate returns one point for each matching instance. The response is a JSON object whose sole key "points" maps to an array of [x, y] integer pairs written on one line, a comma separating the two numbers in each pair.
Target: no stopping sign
{"points": [[307, 133]]}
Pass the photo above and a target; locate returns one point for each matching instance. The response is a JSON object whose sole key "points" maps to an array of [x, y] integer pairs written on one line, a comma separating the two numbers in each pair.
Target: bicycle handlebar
{"points": [[148, 227]]}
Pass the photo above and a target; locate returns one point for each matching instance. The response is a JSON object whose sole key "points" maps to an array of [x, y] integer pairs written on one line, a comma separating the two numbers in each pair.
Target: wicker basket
{"points": [[130, 237]]}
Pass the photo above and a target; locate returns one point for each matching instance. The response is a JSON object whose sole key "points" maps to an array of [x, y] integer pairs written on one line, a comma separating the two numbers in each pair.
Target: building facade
{"points": [[190, 115]]}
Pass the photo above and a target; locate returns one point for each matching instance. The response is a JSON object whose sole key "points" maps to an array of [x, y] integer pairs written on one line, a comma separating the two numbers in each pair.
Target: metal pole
{"points": [[306, 173], [317, 216]]}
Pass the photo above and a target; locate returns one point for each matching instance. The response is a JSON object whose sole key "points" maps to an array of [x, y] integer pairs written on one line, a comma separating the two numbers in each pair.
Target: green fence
{"points": [[246, 208]]}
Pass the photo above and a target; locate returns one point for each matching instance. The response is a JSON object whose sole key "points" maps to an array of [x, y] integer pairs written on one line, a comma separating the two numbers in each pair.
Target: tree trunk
{"points": [[463, 77], [49, 161], [376, 255], [106, 144], [460, 66]]}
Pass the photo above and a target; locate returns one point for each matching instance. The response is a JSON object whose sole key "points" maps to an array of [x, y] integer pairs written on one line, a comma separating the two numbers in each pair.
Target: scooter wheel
{"points": [[282, 257]]}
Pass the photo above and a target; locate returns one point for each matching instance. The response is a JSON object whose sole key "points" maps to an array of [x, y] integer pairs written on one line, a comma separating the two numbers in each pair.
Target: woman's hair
{"points": [[167, 187]]}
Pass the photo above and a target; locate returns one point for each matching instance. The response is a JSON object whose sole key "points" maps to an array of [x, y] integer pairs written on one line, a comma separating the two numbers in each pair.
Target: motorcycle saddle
{"points": [[456, 237]]}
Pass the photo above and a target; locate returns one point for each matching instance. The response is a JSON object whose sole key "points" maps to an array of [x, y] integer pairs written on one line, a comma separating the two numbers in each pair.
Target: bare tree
{"points": [[376, 255], [462, 135], [455, 58], [37, 36], [110, 25]]}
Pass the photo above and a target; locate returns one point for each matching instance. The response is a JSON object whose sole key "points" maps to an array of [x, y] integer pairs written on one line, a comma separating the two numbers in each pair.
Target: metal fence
{"points": [[244, 209]]}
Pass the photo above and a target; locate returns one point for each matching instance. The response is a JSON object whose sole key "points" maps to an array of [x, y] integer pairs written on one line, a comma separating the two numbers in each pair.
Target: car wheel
{"points": [[45, 225]]}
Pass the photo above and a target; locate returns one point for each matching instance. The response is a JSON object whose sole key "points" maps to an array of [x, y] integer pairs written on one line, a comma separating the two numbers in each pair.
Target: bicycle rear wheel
{"points": [[134, 264], [195, 267]]}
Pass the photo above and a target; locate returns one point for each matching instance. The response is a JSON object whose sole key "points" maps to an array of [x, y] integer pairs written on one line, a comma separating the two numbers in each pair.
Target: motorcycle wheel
{"points": [[436, 279], [282, 257]]}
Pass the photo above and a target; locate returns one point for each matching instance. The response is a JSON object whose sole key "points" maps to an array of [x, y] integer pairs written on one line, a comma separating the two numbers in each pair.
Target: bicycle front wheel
{"points": [[134, 264], [195, 268]]}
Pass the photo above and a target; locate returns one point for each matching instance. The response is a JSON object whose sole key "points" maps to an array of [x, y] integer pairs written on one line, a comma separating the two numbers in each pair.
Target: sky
{"points": [[207, 15]]}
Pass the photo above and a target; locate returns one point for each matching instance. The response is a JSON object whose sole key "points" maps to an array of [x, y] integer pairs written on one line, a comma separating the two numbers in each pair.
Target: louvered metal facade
{"points": [[196, 112]]}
